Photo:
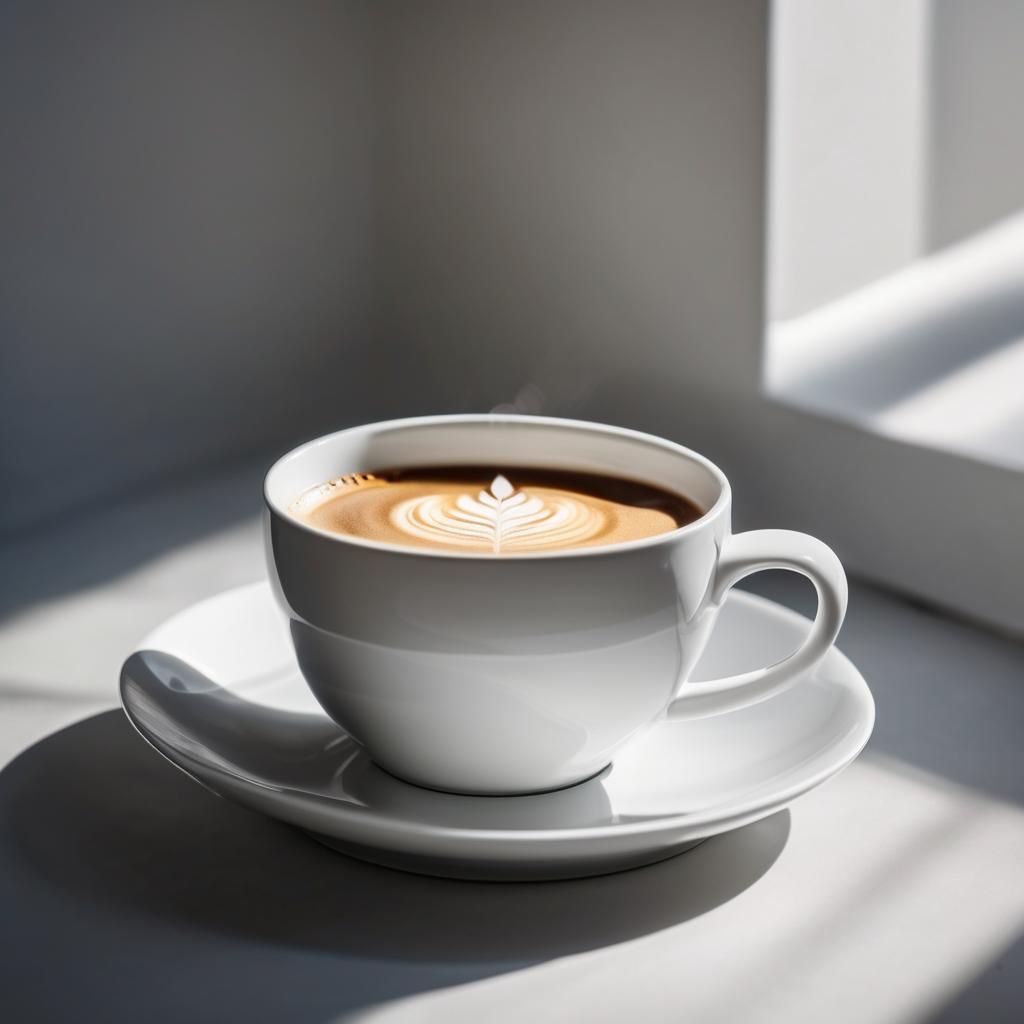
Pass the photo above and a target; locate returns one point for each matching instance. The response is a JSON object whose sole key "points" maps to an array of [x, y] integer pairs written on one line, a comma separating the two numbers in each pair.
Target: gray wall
{"points": [[567, 194], [570, 196], [183, 270]]}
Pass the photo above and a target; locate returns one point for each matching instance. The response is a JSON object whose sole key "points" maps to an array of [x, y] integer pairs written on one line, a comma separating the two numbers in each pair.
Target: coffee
{"points": [[477, 509]]}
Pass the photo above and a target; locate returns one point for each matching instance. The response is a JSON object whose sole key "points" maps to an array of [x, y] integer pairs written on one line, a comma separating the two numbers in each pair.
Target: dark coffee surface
{"points": [[498, 510]]}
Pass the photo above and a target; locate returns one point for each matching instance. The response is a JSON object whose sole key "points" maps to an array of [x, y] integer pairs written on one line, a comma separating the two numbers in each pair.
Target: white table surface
{"points": [[894, 893]]}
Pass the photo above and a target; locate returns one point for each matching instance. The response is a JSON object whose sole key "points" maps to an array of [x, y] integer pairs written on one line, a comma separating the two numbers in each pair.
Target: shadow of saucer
{"points": [[103, 839]]}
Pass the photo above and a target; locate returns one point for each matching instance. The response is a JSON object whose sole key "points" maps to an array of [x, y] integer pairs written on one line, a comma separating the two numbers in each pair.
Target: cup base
{"points": [[493, 793]]}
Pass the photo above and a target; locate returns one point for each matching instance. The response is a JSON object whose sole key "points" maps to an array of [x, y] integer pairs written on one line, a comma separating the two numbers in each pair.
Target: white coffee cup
{"points": [[482, 673]]}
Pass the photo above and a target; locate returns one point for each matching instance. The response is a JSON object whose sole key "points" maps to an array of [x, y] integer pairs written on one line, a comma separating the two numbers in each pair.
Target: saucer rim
{"points": [[717, 818]]}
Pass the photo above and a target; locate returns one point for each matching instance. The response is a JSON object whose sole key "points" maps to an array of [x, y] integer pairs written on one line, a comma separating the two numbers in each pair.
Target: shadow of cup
{"points": [[95, 815]]}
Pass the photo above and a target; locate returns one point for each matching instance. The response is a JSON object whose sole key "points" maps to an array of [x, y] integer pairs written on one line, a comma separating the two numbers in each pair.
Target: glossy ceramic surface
{"points": [[217, 690], [477, 673]]}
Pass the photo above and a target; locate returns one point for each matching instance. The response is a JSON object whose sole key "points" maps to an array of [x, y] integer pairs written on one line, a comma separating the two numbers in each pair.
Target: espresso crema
{"points": [[507, 511]]}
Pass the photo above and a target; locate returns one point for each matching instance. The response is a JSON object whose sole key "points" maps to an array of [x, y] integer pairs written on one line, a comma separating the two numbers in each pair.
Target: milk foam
{"points": [[499, 519]]}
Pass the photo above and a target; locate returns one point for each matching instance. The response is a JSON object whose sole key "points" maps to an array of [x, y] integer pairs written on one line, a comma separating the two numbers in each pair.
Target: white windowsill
{"points": [[932, 355]]}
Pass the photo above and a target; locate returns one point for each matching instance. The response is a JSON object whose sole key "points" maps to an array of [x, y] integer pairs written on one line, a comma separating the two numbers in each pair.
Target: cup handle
{"points": [[747, 553]]}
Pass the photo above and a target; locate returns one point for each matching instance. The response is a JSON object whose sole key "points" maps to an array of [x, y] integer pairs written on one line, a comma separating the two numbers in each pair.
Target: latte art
{"points": [[473, 510], [500, 519]]}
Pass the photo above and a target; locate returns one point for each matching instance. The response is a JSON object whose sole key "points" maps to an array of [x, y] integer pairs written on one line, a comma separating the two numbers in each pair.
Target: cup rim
{"points": [[720, 503]]}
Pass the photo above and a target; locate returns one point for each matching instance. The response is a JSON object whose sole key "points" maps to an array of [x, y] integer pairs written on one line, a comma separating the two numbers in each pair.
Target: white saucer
{"points": [[216, 690]]}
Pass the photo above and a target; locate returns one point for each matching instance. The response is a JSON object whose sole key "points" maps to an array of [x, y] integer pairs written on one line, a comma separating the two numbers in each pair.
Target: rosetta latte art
{"points": [[499, 519]]}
